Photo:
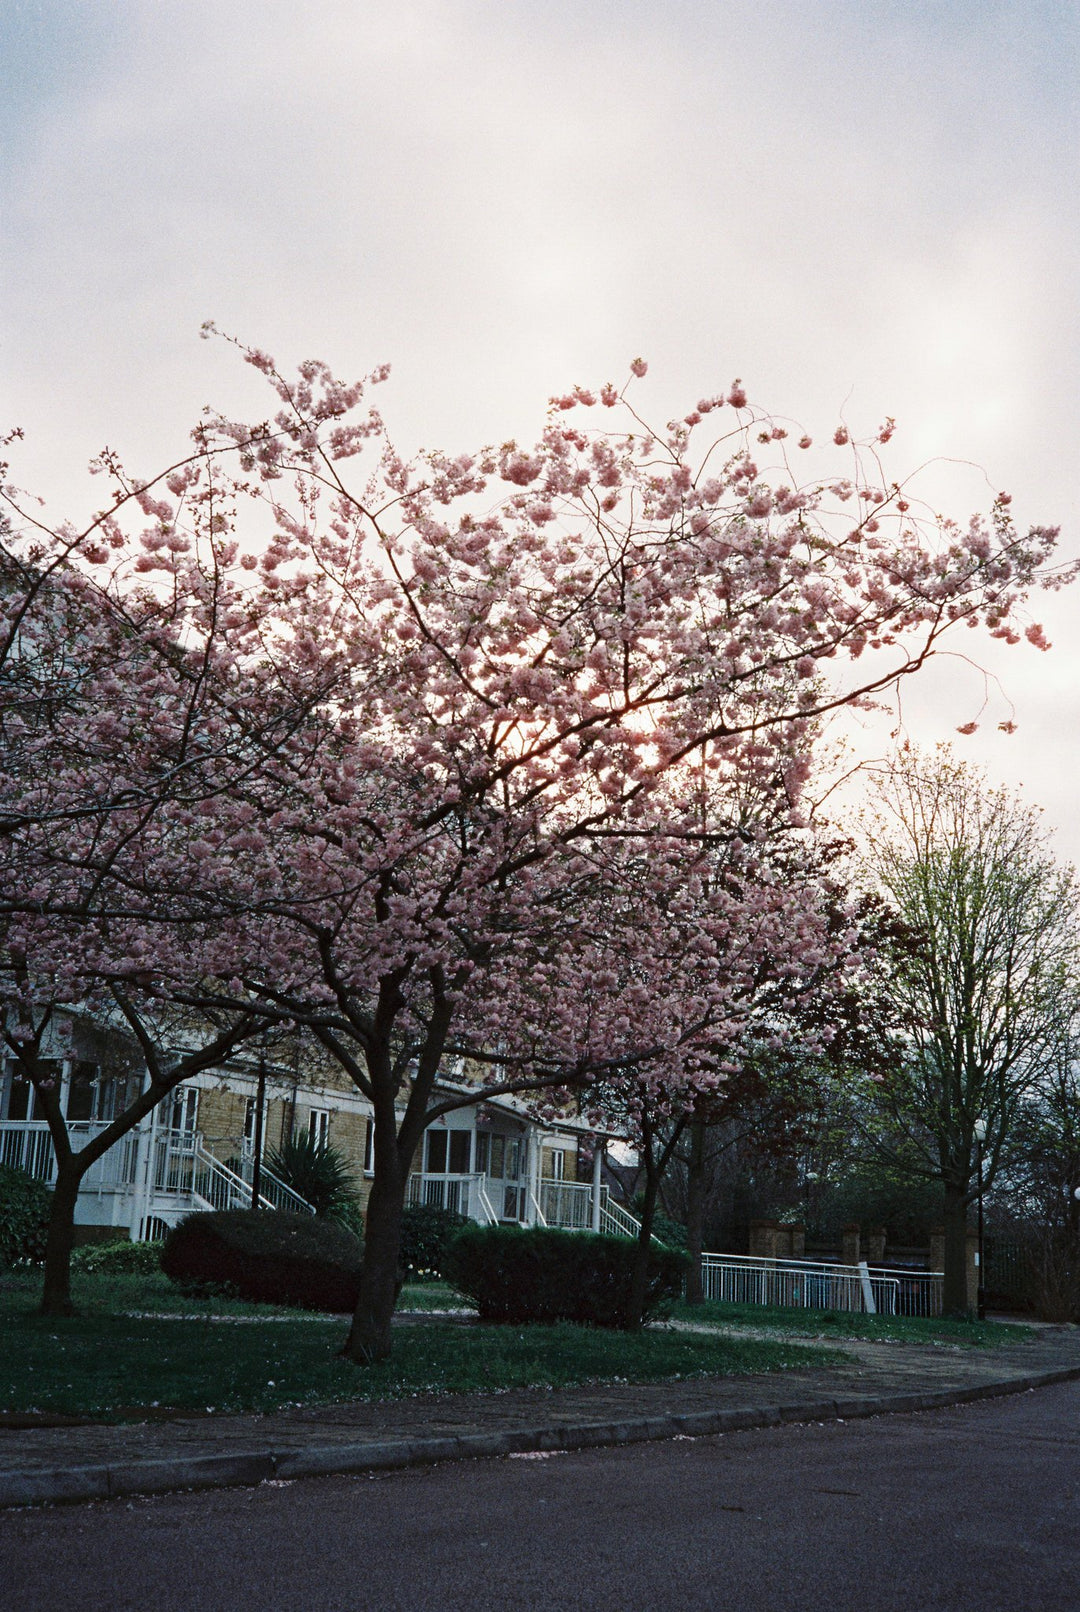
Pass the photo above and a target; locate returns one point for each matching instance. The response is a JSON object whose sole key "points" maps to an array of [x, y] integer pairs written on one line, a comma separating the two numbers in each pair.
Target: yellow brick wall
{"points": [[221, 1114]]}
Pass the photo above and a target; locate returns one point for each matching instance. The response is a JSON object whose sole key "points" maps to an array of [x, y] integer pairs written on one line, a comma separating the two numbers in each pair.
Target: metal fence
{"points": [[814, 1284]]}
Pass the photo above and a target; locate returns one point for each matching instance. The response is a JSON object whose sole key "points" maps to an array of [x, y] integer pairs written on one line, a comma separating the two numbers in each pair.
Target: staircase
{"points": [[184, 1166]]}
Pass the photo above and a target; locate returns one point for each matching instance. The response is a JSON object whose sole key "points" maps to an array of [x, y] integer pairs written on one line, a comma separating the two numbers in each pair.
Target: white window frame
{"points": [[186, 1098], [319, 1126]]}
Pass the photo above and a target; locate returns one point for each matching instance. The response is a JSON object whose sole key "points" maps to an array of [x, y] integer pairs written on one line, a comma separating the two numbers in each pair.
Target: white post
{"points": [[597, 1170], [867, 1288], [144, 1173], [67, 1067], [532, 1188]]}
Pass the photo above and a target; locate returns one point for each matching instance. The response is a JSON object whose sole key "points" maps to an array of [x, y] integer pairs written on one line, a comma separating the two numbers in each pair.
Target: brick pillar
{"points": [[937, 1249], [875, 1245], [763, 1239], [798, 1241], [850, 1248]]}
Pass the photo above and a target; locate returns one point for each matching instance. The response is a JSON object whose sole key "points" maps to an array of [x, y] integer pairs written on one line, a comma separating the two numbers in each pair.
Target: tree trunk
{"points": [[695, 1212], [955, 1295], [380, 1280], [56, 1292], [639, 1278]]}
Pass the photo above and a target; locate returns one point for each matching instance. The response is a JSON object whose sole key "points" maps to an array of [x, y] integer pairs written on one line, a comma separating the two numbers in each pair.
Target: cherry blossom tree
{"points": [[384, 733]]}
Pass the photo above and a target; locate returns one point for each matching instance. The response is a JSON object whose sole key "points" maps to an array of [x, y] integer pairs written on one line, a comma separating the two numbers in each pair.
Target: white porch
{"points": [[569, 1205], [151, 1178]]}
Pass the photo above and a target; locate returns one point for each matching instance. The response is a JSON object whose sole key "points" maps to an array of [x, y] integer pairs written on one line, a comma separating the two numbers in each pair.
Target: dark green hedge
{"points": [[426, 1235], [24, 1217], [266, 1256], [518, 1275]]}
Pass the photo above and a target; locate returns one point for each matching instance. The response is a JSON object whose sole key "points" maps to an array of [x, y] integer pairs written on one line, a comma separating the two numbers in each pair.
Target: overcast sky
{"points": [[867, 205]]}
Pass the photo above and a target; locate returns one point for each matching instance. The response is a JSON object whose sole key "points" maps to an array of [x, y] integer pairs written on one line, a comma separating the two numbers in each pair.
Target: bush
{"points": [[426, 1234], [24, 1217], [517, 1275], [267, 1257], [321, 1175], [117, 1259]]}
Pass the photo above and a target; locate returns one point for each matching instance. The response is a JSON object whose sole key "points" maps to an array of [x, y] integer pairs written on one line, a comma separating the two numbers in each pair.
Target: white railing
{"points": [[490, 1199], [184, 1167], [467, 1195], [241, 1160], [820, 1285], [567, 1204], [181, 1166], [615, 1219], [27, 1145]]}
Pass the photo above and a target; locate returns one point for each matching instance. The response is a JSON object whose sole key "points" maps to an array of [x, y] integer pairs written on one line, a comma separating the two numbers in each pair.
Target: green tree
{"points": [[983, 986]]}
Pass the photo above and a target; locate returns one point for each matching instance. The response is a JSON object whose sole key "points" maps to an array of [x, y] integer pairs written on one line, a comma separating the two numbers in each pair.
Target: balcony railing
{"points": [[25, 1144], [567, 1204], [181, 1168]]}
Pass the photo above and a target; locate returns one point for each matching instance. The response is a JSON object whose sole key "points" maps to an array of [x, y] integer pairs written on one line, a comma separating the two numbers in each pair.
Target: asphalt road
{"points": [[976, 1507]]}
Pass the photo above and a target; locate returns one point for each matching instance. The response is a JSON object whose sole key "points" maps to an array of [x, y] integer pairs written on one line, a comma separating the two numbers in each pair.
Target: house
{"points": [[492, 1162]]}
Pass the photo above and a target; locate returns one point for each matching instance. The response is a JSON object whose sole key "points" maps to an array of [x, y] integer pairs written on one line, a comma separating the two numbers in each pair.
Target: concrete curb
{"points": [[109, 1480]]}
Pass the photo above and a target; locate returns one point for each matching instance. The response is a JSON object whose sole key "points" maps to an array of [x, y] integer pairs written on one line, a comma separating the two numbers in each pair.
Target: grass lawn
{"points": [[106, 1364], [431, 1296], [850, 1324]]}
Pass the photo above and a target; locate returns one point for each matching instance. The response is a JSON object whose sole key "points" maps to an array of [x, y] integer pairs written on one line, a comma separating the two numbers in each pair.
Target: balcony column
{"points": [[532, 1173], [66, 1069], [597, 1171], [144, 1172]]}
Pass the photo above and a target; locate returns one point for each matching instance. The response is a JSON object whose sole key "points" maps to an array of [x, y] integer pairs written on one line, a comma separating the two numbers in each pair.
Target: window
{"points": [[483, 1152], [319, 1126], [185, 1109], [111, 1097], [460, 1152], [81, 1091], [553, 1164], [505, 1154], [18, 1099], [436, 1152], [369, 1148], [15, 1092]]}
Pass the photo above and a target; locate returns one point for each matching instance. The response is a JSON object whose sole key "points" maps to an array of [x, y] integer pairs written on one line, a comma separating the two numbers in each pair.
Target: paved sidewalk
{"points": [[48, 1464]]}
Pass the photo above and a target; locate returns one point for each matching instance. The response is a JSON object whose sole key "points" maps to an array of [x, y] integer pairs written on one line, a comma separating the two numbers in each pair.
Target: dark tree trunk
{"points": [[639, 1279], [380, 1281], [56, 1292], [695, 1211], [955, 1296]]}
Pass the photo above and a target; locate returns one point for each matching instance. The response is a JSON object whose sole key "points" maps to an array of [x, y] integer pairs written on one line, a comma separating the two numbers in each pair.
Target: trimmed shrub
{"points": [[117, 1259], [267, 1257], [426, 1234], [24, 1217], [518, 1275]]}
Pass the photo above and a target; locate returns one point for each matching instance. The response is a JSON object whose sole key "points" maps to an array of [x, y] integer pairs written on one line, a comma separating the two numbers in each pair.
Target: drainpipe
{"points": [[260, 1099]]}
